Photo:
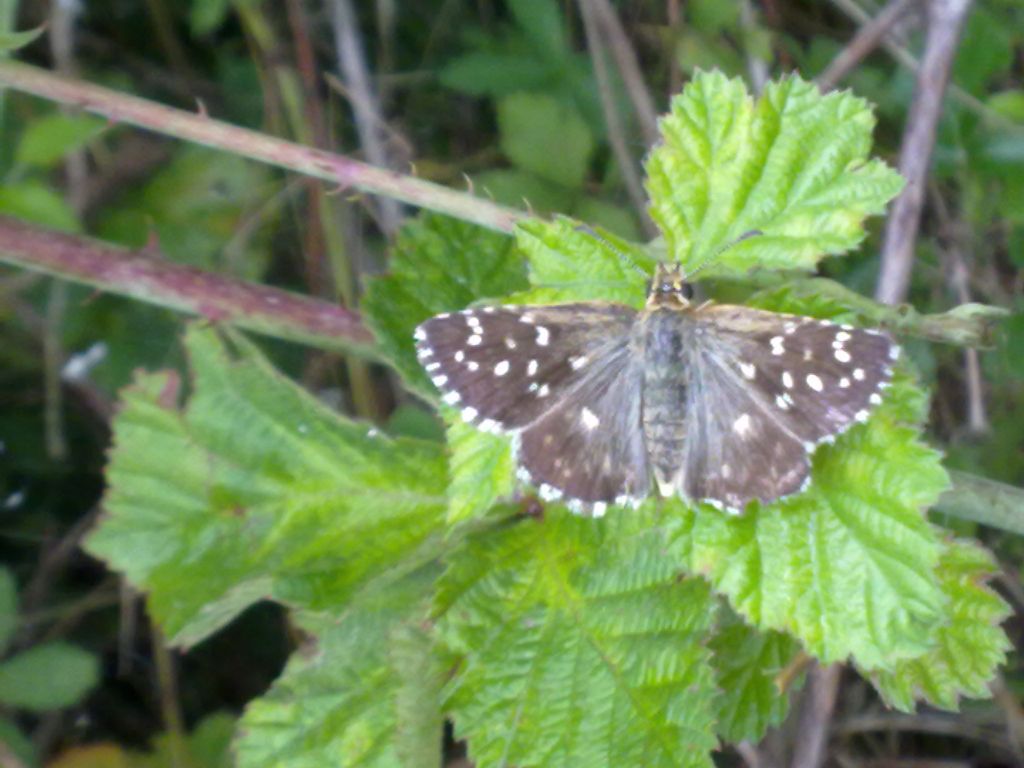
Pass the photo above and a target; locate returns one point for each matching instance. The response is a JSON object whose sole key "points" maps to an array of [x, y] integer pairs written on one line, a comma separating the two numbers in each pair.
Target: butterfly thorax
{"points": [[663, 336]]}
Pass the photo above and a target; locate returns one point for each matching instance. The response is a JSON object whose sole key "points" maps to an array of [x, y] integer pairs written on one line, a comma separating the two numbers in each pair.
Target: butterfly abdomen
{"points": [[662, 340]]}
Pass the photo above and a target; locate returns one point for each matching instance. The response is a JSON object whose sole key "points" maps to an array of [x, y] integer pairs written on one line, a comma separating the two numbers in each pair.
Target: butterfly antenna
{"points": [[589, 230], [722, 249]]}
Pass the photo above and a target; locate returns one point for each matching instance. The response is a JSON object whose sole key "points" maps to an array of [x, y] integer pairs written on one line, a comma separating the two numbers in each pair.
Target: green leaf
{"points": [[438, 265], [546, 136], [345, 700], [793, 166], [541, 23], [485, 73], [567, 264], [38, 203], [49, 676], [577, 644], [746, 664], [847, 567], [46, 140], [482, 470], [12, 41], [8, 607], [968, 646], [269, 494]]}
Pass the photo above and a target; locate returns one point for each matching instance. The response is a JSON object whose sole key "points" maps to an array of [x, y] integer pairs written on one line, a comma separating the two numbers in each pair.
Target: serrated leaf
{"points": [[438, 265], [46, 677], [568, 264], [968, 646], [343, 700], [747, 663], [847, 567], [793, 166], [545, 136], [256, 490], [420, 725], [482, 471], [8, 607], [578, 644], [46, 140]]}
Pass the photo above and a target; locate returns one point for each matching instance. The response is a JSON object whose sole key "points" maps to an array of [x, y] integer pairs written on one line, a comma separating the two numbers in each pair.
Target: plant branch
{"points": [[945, 20], [629, 68], [352, 66], [145, 276], [871, 34], [616, 132], [198, 128]]}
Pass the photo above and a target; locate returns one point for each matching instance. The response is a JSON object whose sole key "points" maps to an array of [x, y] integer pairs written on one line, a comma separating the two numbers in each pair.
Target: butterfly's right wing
{"points": [[765, 389], [562, 378]]}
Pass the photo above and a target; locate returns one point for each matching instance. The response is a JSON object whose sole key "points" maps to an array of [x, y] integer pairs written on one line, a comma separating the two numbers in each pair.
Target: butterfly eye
{"points": [[687, 291]]}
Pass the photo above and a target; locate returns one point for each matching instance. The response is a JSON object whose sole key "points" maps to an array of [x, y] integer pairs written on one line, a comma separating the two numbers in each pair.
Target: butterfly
{"points": [[715, 403]]}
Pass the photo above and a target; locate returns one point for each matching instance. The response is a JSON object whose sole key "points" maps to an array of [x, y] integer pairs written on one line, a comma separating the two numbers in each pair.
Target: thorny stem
{"points": [[147, 277], [198, 128]]}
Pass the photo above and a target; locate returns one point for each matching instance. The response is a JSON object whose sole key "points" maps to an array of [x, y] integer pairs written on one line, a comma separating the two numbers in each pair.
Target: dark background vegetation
{"points": [[512, 99]]}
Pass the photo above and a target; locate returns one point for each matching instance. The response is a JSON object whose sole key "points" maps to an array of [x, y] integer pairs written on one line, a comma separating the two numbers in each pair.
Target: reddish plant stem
{"points": [[204, 130], [146, 276]]}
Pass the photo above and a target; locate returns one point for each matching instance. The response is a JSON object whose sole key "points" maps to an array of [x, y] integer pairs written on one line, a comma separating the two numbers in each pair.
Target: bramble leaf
{"points": [[482, 470], [256, 489], [438, 265], [579, 644], [968, 646], [567, 264], [346, 700], [847, 567], [793, 166], [746, 663]]}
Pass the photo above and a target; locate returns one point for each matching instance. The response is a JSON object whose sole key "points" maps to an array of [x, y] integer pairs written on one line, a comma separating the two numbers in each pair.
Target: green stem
{"points": [[984, 501], [201, 129], [967, 325], [147, 277]]}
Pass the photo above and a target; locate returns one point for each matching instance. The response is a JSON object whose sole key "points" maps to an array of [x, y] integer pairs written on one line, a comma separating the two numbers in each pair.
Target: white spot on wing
{"points": [[452, 398], [843, 356], [501, 368], [844, 383], [748, 370], [469, 413], [787, 379], [440, 381], [420, 334], [814, 382], [578, 362], [531, 368], [543, 391], [858, 374], [473, 366], [781, 402], [599, 509], [589, 419], [777, 346], [875, 399], [742, 425], [474, 340], [543, 336], [861, 416], [460, 356]]}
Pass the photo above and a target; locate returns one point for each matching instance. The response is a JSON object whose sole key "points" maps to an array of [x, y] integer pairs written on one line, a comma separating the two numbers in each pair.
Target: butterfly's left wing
{"points": [[764, 390], [561, 378]]}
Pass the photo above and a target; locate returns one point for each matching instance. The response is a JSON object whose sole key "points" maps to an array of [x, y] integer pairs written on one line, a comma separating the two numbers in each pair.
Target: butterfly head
{"points": [[669, 288]]}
